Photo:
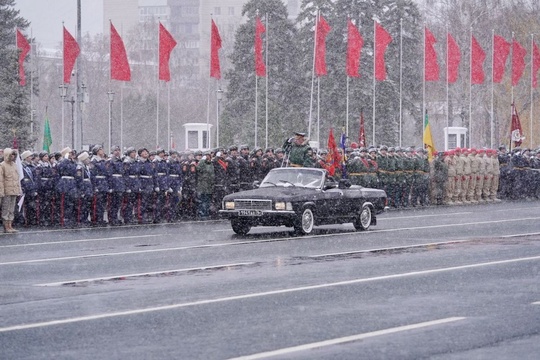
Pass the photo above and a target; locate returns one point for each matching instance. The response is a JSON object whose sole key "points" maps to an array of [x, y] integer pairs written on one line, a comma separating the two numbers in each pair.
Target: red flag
{"points": [[71, 52], [215, 43], [166, 46], [431, 66], [515, 130], [382, 39], [24, 46], [518, 61], [362, 136], [119, 62], [478, 56], [355, 42], [260, 67], [333, 159], [536, 65], [501, 49], [454, 58], [320, 46]]}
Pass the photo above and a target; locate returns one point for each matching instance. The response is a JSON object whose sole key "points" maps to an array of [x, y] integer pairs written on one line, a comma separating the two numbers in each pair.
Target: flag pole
{"points": [[256, 91], [318, 109], [347, 107], [31, 83], [157, 90], [122, 117], [266, 82], [512, 62], [424, 92], [491, 125], [313, 75], [169, 114], [447, 89], [63, 88], [400, 79], [470, 92], [374, 80], [532, 105]]}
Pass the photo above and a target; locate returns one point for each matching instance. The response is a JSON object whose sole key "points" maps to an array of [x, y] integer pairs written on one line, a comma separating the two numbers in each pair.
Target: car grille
{"points": [[253, 204]]}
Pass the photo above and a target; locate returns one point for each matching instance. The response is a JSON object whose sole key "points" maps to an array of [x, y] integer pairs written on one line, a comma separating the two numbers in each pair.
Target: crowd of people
{"points": [[138, 186]]}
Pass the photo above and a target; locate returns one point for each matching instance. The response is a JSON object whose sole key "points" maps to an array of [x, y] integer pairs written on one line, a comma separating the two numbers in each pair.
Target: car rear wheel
{"points": [[304, 224], [240, 227], [364, 219]]}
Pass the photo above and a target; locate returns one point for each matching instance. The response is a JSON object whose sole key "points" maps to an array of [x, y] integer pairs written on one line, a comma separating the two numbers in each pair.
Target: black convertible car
{"points": [[302, 198]]}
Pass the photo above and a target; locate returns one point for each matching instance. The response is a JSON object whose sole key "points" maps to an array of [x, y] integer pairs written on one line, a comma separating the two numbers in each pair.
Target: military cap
{"points": [[198, 153], [269, 150], [174, 151], [502, 147], [390, 149], [384, 147], [165, 153], [233, 148], [129, 150], [372, 149], [279, 151], [244, 147], [362, 149], [141, 151], [115, 148], [152, 153], [159, 151], [83, 156], [96, 148], [300, 134]]}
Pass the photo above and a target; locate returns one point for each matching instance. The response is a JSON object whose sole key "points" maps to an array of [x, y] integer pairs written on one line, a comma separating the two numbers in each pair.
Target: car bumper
{"points": [[262, 217]]}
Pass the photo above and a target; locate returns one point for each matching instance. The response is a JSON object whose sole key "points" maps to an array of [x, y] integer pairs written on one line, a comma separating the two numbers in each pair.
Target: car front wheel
{"points": [[240, 227], [304, 224], [364, 219]]}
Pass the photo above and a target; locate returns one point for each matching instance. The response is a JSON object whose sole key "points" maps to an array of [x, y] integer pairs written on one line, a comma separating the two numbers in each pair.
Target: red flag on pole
{"points": [[518, 61], [119, 62], [362, 136], [431, 66], [71, 52], [260, 67], [166, 46], [515, 129], [454, 58], [333, 158], [501, 49], [320, 46], [24, 46], [215, 43], [355, 42], [478, 56], [382, 39], [536, 65]]}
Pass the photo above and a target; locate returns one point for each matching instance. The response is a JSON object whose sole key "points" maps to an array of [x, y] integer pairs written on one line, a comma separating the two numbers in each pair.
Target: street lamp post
{"points": [[83, 100], [72, 102], [111, 99], [63, 94], [219, 96]]}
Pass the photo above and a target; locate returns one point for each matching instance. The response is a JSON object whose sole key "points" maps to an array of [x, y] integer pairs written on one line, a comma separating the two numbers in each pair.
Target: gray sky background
{"points": [[46, 18]]}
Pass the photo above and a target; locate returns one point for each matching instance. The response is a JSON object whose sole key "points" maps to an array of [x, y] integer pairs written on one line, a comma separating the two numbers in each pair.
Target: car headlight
{"points": [[289, 206], [280, 205], [229, 205]]}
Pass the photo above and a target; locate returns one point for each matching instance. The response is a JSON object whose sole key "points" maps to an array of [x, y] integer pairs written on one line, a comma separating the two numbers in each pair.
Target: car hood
{"points": [[275, 193]]}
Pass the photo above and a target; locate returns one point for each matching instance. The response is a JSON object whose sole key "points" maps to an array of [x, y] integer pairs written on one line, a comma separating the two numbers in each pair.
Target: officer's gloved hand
{"points": [[34, 194], [110, 190], [203, 158], [169, 190], [96, 190], [128, 191], [156, 189]]}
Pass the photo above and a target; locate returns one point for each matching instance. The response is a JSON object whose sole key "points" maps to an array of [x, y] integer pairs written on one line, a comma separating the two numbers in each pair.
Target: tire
{"points": [[364, 219], [305, 222], [240, 227]]}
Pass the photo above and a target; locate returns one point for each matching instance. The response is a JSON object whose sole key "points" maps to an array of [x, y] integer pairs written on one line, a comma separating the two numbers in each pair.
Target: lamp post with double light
{"points": [[219, 97], [63, 93], [110, 93]]}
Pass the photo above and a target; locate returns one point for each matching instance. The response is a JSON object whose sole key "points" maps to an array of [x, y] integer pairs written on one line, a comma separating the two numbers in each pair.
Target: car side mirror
{"points": [[329, 185], [256, 184], [344, 184]]}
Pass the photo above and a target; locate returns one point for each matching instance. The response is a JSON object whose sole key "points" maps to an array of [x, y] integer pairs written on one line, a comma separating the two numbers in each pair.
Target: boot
{"points": [[6, 226], [11, 229]]}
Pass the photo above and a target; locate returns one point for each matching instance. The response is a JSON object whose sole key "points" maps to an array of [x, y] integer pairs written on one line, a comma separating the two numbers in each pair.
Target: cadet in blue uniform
{"points": [[86, 190], [161, 170], [100, 179], [175, 185], [133, 185], [46, 178], [147, 187], [117, 186], [67, 187], [29, 186]]}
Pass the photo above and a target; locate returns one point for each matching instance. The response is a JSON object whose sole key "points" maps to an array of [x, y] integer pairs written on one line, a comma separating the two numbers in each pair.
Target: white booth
{"points": [[455, 137], [197, 136]]}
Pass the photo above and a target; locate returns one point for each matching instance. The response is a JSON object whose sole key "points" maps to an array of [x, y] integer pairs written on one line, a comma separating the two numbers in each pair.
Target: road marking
{"points": [[519, 235], [260, 294], [536, 303], [255, 242], [346, 339], [388, 249], [153, 273], [82, 240]]}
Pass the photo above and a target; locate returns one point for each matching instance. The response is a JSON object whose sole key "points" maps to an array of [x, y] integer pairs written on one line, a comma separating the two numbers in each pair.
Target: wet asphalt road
{"points": [[458, 282]]}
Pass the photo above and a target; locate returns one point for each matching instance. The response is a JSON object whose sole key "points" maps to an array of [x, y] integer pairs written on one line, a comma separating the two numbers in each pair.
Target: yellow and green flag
{"points": [[428, 140], [47, 138]]}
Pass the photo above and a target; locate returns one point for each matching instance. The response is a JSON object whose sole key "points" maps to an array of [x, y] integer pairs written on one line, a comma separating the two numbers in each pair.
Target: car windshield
{"points": [[302, 177]]}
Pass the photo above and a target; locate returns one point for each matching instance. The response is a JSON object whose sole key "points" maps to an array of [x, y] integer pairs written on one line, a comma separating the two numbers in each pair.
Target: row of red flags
{"points": [[120, 69]]}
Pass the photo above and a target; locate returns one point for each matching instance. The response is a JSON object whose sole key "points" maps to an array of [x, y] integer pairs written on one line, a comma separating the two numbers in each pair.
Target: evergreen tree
{"points": [[284, 94], [14, 99]]}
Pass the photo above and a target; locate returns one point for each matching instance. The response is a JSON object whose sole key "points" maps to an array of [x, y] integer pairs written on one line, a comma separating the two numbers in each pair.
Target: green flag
{"points": [[47, 139]]}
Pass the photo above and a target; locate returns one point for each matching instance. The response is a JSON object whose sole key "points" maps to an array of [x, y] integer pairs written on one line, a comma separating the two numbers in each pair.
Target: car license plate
{"points": [[249, 212]]}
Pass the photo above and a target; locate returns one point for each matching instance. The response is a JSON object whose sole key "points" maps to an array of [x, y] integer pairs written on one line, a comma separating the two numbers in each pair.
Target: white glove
{"points": [[156, 189], [128, 191], [203, 158], [169, 190], [110, 191]]}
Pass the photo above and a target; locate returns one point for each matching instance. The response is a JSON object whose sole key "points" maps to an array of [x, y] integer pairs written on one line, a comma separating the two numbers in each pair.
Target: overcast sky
{"points": [[46, 18]]}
